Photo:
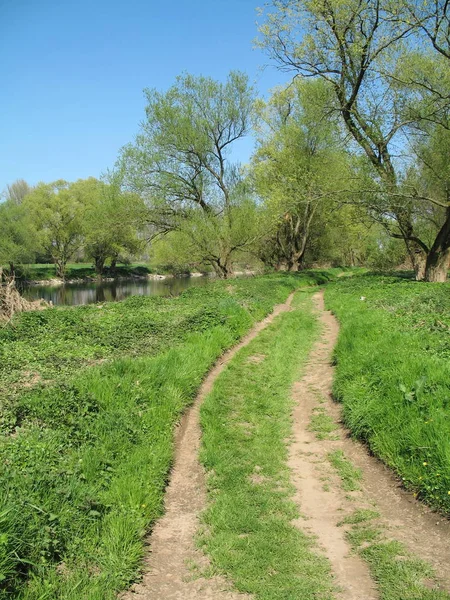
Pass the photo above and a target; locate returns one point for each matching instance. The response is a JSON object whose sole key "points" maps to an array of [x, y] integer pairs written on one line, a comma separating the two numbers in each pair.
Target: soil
{"points": [[174, 565], [321, 510]]}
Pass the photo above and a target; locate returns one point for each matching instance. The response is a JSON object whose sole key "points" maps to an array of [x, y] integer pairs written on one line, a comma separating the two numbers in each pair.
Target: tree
{"points": [[112, 221], [16, 191], [18, 241], [57, 210], [180, 163], [296, 169], [431, 19], [354, 46]]}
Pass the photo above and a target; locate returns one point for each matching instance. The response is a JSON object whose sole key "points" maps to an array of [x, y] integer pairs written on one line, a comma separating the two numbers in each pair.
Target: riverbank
{"points": [[43, 275], [90, 397]]}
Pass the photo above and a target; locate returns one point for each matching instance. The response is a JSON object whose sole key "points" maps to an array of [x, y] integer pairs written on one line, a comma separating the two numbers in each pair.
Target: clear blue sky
{"points": [[72, 74]]}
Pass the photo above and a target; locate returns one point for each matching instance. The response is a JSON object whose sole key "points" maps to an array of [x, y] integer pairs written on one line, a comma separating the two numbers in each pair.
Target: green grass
{"points": [[360, 515], [350, 475], [86, 445], [323, 425], [397, 573], [393, 376], [246, 421]]}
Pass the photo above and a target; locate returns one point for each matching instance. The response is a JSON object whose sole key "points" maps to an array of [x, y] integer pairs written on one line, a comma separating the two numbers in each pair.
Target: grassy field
{"points": [[89, 398], [393, 376], [246, 421]]}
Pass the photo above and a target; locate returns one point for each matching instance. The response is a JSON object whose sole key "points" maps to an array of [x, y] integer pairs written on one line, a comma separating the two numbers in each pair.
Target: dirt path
{"points": [[172, 553], [323, 503]]}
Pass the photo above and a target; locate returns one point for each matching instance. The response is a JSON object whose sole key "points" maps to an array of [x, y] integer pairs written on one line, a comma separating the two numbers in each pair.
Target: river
{"points": [[72, 294]]}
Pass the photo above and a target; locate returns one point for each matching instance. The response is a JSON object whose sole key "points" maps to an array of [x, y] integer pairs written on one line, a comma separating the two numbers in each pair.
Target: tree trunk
{"points": [[222, 267], [419, 261], [436, 269], [99, 265], [113, 265], [61, 269], [438, 258]]}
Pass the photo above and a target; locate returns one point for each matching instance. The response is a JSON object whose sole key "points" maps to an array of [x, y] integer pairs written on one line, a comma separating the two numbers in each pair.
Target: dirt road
{"points": [[322, 500]]}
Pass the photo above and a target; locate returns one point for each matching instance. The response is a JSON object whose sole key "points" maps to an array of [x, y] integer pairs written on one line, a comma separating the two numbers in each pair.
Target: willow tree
{"points": [[355, 47], [180, 163], [112, 223], [18, 240], [57, 210], [297, 169]]}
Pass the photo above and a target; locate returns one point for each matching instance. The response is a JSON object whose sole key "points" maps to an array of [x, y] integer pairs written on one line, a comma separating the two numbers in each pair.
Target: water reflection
{"points": [[73, 294]]}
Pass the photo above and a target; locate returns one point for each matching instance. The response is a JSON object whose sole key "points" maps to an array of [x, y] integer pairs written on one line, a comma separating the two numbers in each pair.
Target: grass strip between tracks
{"points": [[248, 526]]}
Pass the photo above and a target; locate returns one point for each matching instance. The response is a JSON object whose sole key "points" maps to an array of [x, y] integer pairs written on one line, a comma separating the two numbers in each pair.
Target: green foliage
{"points": [[57, 210], [80, 271], [112, 222], [297, 168], [246, 421], [180, 164], [392, 376], [87, 446], [363, 51], [62, 219], [17, 235]]}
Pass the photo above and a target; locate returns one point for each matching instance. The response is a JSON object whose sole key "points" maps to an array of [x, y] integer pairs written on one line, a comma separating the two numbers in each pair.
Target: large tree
{"points": [[355, 46], [112, 221], [18, 241], [15, 192], [296, 169], [57, 210], [180, 163]]}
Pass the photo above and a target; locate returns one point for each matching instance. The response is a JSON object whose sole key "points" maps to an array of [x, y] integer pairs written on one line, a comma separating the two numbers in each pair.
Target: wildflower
{"points": [[425, 464]]}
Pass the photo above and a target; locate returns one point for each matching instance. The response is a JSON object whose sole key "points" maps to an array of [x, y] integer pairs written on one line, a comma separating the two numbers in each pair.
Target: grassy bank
{"points": [[393, 376], [246, 421], [41, 272], [89, 397]]}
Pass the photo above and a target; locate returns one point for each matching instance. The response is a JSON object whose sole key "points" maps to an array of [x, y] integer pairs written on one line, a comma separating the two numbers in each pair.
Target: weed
{"points": [[322, 425], [359, 516], [350, 475]]}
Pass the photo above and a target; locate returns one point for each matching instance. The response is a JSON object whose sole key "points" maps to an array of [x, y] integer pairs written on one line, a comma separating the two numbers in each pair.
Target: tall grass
{"points": [[393, 376], [85, 452]]}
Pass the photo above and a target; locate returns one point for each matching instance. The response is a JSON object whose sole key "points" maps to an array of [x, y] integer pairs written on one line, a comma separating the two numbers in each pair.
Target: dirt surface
{"points": [[323, 503], [174, 565], [321, 510]]}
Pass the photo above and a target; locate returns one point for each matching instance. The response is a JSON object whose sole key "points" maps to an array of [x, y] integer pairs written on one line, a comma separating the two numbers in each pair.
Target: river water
{"points": [[72, 294]]}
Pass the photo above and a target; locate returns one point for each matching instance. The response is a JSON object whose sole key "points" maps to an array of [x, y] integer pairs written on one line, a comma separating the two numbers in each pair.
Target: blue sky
{"points": [[72, 74]]}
